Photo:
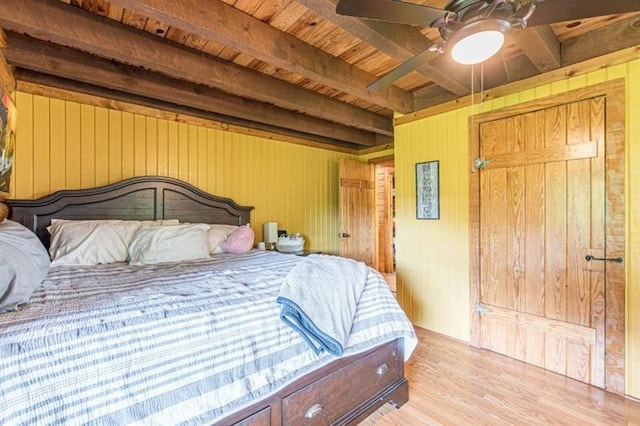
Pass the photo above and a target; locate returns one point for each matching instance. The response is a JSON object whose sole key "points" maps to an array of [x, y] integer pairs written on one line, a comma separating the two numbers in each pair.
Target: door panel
{"points": [[357, 211], [541, 209]]}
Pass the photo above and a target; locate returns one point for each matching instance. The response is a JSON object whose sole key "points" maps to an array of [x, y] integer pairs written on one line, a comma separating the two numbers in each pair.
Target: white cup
{"points": [[261, 245]]}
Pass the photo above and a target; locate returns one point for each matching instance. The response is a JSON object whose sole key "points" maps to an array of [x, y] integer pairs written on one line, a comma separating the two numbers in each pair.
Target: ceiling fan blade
{"points": [[551, 11], [403, 69], [390, 11]]}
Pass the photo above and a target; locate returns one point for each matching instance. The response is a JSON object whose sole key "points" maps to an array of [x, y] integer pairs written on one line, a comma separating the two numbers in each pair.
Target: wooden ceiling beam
{"points": [[613, 37], [540, 45], [52, 20], [219, 22], [430, 96], [46, 58], [401, 42]]}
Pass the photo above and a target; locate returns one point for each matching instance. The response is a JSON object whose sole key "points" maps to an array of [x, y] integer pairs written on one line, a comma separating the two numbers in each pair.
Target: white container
{"points": [[287, 245]]}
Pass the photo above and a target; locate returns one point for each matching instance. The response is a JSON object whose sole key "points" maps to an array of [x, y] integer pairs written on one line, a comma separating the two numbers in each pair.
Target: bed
{"points": [[170, 343]]}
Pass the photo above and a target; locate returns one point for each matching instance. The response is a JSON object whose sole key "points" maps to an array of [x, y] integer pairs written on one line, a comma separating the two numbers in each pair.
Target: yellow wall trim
{"points": [[375, 151]]}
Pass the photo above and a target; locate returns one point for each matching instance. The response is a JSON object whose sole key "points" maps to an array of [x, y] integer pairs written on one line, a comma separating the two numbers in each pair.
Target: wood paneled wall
{"points": [[432, 256], [67, 145], [432, 261]]}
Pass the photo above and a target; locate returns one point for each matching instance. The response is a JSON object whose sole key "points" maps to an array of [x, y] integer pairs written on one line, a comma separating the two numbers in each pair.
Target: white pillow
{"points": [[217, 234], [158, 244], [24, 263], [94, 242]]}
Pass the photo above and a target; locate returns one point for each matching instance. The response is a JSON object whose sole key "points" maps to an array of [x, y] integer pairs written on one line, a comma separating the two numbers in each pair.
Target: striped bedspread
{"points": [[173, 344]]}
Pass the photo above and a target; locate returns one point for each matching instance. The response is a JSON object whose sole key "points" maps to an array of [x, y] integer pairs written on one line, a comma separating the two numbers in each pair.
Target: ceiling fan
{"points": [[473, 31]]}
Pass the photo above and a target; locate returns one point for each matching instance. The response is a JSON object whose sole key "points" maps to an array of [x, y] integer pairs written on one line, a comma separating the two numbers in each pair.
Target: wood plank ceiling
{"points": [[288, 67]]}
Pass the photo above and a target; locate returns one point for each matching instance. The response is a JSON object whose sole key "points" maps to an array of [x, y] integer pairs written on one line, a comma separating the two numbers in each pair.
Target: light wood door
{"points": [[357, 211], [385, 217], [542, 211]]}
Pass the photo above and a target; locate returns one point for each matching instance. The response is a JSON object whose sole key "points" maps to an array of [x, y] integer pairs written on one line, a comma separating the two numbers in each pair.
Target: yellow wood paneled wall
{"points": [[432, 256], [67, 145]]}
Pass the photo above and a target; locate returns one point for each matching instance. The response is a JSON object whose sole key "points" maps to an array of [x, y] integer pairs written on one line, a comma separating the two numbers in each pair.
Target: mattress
{"points": [[178, 343]]}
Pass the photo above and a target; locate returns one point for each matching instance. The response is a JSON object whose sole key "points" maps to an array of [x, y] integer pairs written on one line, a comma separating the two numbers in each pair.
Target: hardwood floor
{"points": [[452, 383]]}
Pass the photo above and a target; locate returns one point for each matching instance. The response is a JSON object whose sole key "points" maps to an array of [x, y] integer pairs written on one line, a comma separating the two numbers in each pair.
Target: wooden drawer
{"points": [[261, 418], [326, 400]]}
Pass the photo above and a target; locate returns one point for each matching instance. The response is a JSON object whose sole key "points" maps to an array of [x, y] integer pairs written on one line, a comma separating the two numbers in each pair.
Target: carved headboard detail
{"points": [[139, 198]]}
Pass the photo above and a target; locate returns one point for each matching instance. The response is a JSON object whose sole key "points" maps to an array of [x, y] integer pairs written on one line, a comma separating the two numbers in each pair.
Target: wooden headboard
{"points": [[139, 198]]}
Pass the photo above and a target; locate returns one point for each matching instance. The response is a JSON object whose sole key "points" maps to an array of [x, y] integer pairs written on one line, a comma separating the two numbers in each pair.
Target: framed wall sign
{"points": [[428, 190]]}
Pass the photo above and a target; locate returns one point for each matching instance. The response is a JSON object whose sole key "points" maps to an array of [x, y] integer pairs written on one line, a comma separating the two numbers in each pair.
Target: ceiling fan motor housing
{"points": [[462, 13]]}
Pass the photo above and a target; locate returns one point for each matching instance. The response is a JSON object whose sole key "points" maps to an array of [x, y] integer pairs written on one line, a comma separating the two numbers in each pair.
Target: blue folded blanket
{"points": [[319, 298]]}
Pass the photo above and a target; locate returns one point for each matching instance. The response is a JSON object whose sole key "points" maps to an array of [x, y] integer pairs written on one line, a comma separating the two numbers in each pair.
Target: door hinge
{"points": [[481, 163], [482, 310]]}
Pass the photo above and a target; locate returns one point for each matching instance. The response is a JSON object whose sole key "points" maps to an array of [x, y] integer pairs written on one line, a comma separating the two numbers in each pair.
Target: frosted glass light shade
{"points": [[478, 41], [270, 231], [477, 47]]}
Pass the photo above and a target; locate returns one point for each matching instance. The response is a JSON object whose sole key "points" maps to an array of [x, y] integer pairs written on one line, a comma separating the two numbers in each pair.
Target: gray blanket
{"points": [[319, 298]]}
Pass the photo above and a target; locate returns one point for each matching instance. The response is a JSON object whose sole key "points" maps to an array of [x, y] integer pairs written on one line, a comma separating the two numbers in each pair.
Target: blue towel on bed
{"points": [[319, 298]]}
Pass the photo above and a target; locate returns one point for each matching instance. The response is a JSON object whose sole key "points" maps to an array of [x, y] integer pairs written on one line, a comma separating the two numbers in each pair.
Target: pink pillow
{"points": [[239, 241]]}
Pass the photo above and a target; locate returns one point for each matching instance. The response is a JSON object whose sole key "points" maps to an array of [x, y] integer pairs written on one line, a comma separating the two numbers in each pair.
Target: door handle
{"points": [[589, 258], [343, 235]]}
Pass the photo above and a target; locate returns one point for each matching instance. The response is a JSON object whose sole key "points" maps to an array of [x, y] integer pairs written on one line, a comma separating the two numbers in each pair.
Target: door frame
{"points": [[387, 162], [614, 92]]}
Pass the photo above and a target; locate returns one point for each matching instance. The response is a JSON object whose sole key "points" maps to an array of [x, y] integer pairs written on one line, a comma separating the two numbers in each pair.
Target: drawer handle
{"points": [[313, 411], [382, 370]]}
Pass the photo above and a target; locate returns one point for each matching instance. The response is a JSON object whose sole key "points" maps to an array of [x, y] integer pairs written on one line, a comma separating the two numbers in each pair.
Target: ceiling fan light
{"points": [[477, 47], [478, 41]]}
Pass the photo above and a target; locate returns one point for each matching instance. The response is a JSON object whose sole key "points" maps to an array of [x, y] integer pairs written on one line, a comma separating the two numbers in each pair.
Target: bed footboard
{"points": [[343, 392]]}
